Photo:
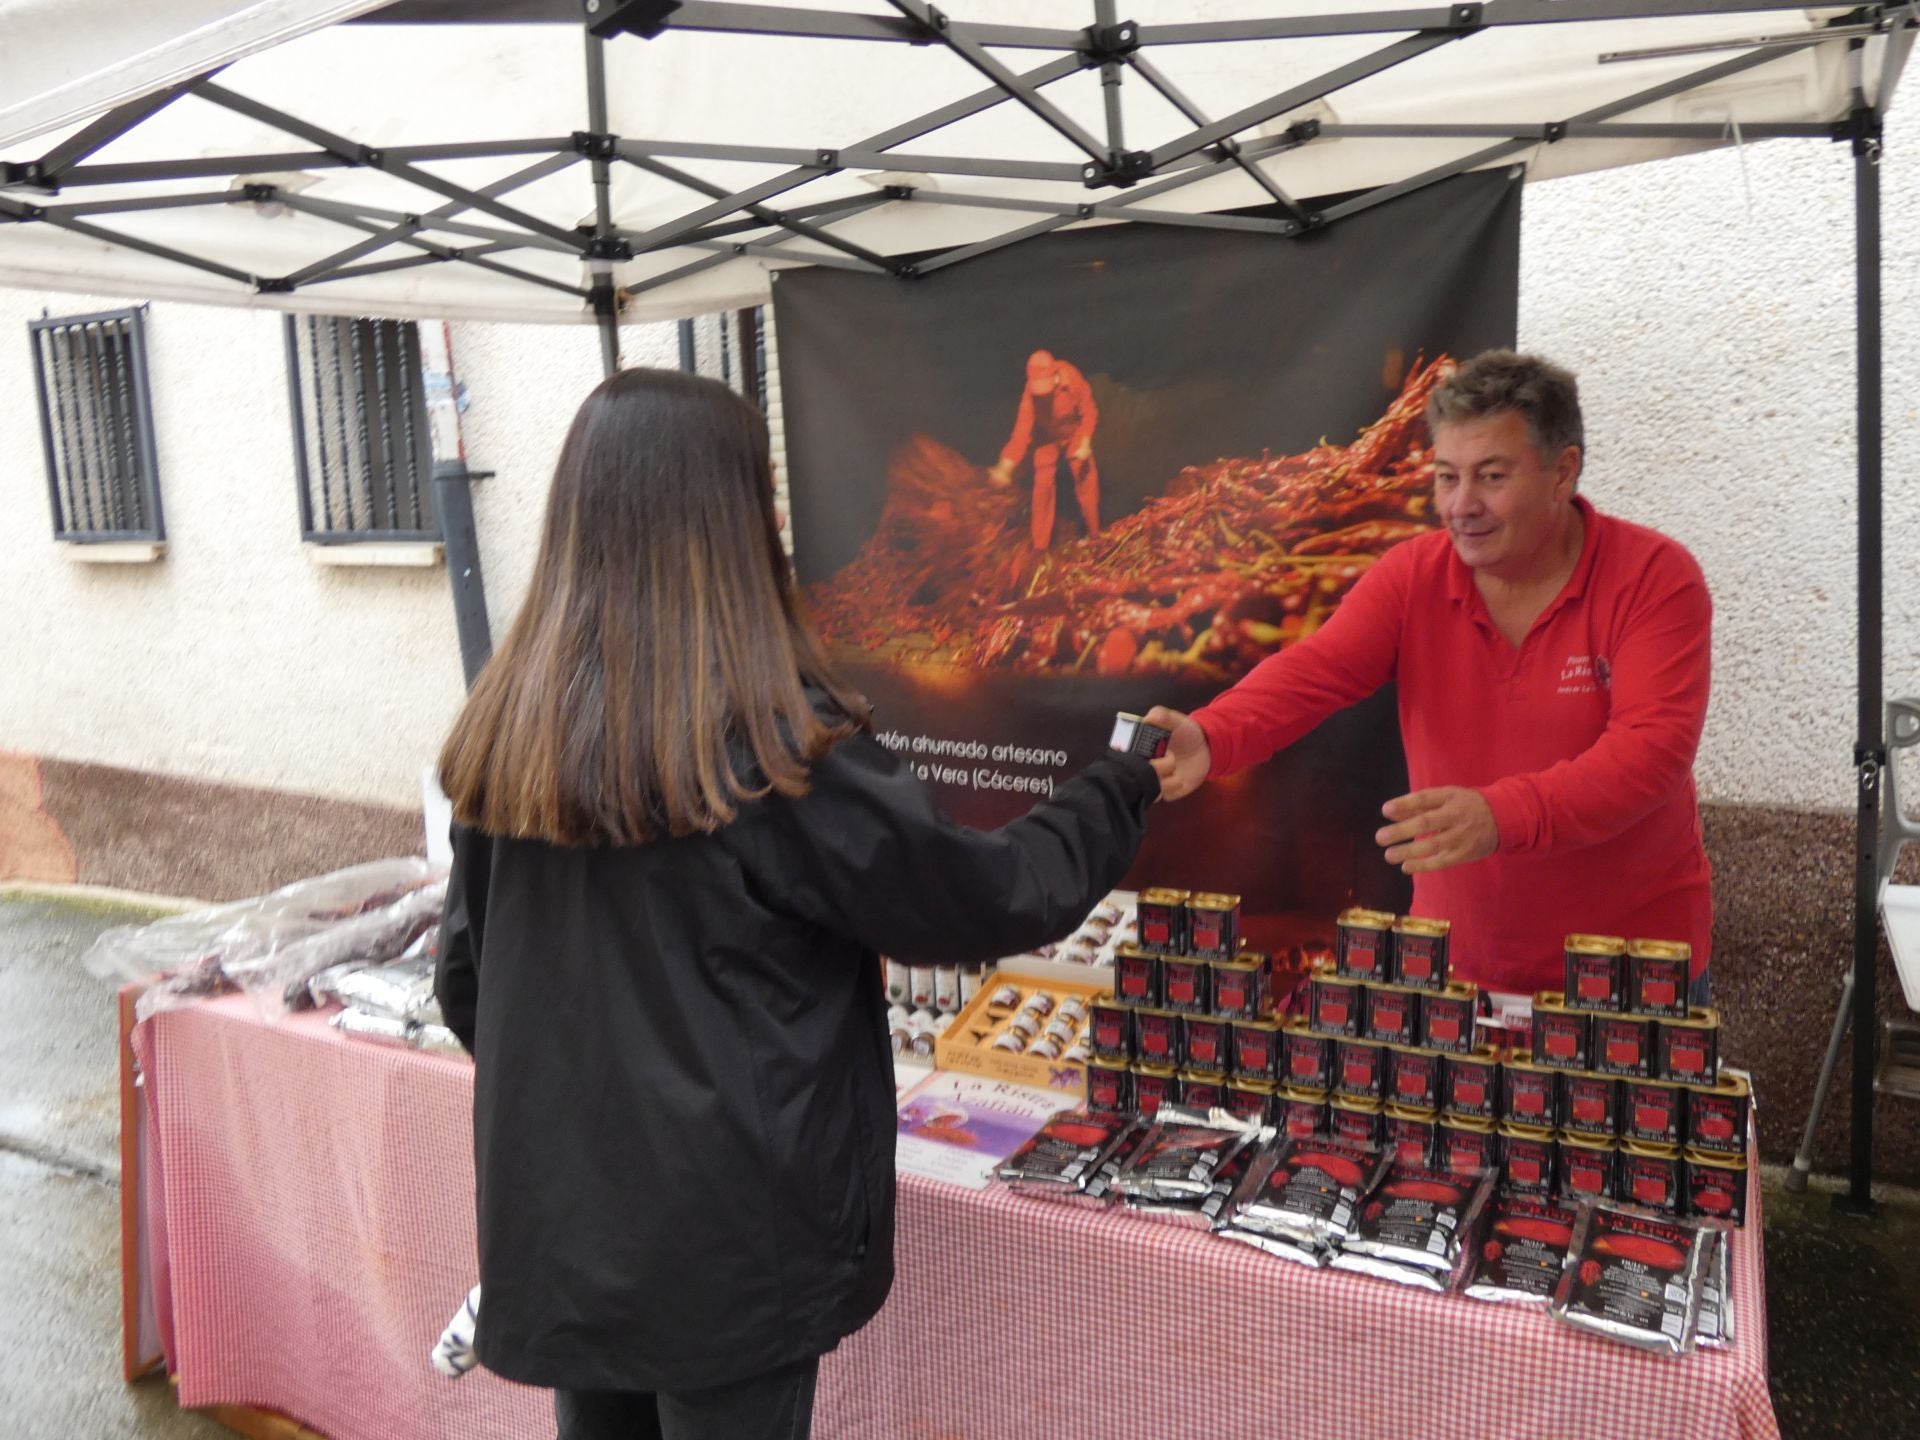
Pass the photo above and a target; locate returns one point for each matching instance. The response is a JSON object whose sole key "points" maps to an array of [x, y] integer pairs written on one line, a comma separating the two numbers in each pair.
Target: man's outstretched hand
{"points": [[1438, 828], [1183, 769], [1000, 475]]}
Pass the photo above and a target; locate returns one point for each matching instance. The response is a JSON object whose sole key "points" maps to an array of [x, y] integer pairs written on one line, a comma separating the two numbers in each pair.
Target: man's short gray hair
{"points": [[1496, 382]]}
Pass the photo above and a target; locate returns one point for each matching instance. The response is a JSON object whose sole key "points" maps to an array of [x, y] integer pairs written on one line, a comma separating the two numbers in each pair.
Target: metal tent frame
{"points": [[1119, 182]]}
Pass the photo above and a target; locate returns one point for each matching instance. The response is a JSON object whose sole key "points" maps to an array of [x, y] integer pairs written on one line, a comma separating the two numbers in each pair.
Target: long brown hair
{"points": [[654, 679]]}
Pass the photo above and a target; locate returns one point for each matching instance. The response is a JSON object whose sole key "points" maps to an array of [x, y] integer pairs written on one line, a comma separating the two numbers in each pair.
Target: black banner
{"points": [[1117, 468]]}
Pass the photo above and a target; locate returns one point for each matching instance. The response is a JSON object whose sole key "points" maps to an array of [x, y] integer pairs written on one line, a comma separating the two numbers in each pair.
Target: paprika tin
{"points": [[1307, 1058], [1529, 1094], [1156, 1037], [1652, 1112], [1411, 1134], [1527, 1159], [1213, 926], [1689, 1049], [1393, 1015], [1136, 976], [1414, 1077], [1653, 1176], [1657, 979], [1186, 984], [1446, 1019], [1588, 1168], [1358, 1122], [1596, 973], [1256, 1050], [1623, 1045], [1336, 1005], [1109, 1086], [1301, 1114], [1562, 1038], [1252, 1101], [1110, 1032], [1162, 920], [1590, 1105], [1717, 1185], [1154, 1086], [1466, 1147], [1200, 1090], [1363, 946], [1359, 1069], [1242, 987], [1718, 1115], [1420, 952], [1470, 1085], [1207, 1044]]}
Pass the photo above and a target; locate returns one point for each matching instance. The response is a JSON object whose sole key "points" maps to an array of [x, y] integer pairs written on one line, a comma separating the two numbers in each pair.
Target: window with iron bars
{"points": [[362, 445], [729, 346], [96, 425]]}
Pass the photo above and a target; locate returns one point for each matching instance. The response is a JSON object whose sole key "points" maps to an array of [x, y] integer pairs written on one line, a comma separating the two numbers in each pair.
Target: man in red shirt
{"points": [[1056, 418], [1552, 665]]}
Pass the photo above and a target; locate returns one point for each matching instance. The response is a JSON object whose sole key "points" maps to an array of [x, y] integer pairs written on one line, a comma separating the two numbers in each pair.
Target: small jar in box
{"points": [[1256, 1050], [1213, 926], [1242, 986], [1562, 1038], [1718, 1116], [1470, 1085], [1689, 1050], [1529, 1094], [1359, 1068], [1356, 1121], [1207, 1044], [1156, 1037], [1410, 1134], [1717, 1185], [1109, 1086], [1447, 1019], [1623, 1045], [1420, 952], [1653, 1112], [1200, 1090], [1335, 1004], [1587, 1167], [1467, 1147], [1657, 977], [1528, 1159], [1307, 1058], [1414, 1077], [1301, 1114], [1590, 1105], [1162, 920], [1186, 984], [1653, 1176], [1596, 973], [1393, 1015], [1363, 946], [1250, 1101], [1136, 976], [1110, 1031], [1154, 1086]]}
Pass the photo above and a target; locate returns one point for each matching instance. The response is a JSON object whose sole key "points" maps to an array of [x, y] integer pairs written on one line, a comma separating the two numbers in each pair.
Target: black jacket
{"points": [[683, 1098]]}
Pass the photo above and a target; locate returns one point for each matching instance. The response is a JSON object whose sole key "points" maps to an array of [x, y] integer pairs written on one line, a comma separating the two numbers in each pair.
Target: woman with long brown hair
{"points": [[677, 851]]}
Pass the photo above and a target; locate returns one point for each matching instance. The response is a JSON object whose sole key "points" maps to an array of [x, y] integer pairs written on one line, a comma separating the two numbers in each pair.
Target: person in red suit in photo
{"points": [[1056, 421]]}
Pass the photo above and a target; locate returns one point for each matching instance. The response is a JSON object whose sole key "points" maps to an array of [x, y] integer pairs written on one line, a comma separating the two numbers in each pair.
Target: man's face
{"points": [[1041, 382], [1495, 493]]}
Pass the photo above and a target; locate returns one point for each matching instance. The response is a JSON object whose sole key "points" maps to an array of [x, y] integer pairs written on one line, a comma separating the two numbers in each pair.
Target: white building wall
{"points": [[1706, 303]]}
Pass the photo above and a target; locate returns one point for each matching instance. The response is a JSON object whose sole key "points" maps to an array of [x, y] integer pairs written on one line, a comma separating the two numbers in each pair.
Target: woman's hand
{"points": [[1438, 828], [1183, 769]]}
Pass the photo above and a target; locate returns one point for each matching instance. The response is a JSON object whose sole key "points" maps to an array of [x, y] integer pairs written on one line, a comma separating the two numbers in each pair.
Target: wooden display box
{"points": [[1067, 1077]]}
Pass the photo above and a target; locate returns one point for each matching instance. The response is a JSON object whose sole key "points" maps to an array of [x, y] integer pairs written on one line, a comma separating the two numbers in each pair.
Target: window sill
{"points": [[378, 554], [117, 552]]}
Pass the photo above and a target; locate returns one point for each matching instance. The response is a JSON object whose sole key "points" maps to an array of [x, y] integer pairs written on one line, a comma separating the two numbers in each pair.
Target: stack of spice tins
{"points": [[1623, 1097], [1369, 1060], [1191, 1016]]}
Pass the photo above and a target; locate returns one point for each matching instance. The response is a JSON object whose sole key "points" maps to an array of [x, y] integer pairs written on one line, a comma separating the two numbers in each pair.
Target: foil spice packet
{"points": [[1634, 1277]]}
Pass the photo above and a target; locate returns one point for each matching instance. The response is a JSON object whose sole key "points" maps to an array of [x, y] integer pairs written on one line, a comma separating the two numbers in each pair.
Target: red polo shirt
{"points": [[1582, 739]]}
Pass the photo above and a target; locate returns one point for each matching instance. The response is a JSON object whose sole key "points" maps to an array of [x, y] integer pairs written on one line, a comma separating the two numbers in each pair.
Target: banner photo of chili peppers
{"points": [[1117, 468]]}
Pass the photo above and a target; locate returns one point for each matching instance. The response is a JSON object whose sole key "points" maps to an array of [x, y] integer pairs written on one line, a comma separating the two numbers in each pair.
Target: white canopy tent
{"points": [[545, 160]]}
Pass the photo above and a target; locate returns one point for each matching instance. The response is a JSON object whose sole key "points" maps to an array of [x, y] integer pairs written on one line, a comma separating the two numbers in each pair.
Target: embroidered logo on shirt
{"points": [[1579, 674]]}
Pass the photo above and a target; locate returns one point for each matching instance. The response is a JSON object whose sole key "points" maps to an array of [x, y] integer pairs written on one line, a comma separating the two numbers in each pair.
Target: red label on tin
{"points": [[1362, 958], [1687, 1055], [1561, 1044], [1103, 1090], [1333, 1012], [1203, 1045], [1108, 1032], [1445, 1027], [1469, 1094], [1525, 1168], [1205, 936], [1649, 1189], [1650, 1118], [1594, 987], [1416, 965], [1530, 1102], [1658, 992], [1587, 1177], [1358, 1072], [1155, 1037], [1410, 1083], [1230, 992], [1302, 1121], [1155, 931], [1624, 1052], [1590, 1108]]}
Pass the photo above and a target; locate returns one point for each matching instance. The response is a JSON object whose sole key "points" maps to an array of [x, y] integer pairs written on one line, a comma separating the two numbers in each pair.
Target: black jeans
{"points": [[774, 1406]]}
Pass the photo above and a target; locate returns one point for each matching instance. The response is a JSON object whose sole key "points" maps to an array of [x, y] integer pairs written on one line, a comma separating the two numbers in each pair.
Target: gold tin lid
{"points": [[1714, 1161], [1674, 1085], [1272, 1025], [1303, 1024], [1333, 977], [1206, 1076], [1700, 1017], [1131, 951], [1263, 1087], [1399, 989], [1300, 1094], [1165, 1072], [1650, 1150], [1363, 1107], [1459, 990], [1529, 1067], [1421, 925], [1358, 1040], [1513, 1130], [1435, 1055], [1253, 957], [1731, 1082], [1242, 961], [1660, 949], [1554, 1002], [1586, 1142], [1413, 1112], [1359, 919], [1596, 945], [1164, 895], [1479, 1055], [1212, 901], [1165, 1014], [1466, 1122]]}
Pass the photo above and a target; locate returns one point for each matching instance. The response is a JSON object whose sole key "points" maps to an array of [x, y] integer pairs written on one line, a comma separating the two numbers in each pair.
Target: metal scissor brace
{"points": [[1899, 1068]]}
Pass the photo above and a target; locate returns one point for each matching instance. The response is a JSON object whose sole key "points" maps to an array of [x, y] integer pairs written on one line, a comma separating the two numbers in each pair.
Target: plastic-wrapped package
{"points": [[363, 1026], [1635, 1277], [436, 1039], [402, 990]]}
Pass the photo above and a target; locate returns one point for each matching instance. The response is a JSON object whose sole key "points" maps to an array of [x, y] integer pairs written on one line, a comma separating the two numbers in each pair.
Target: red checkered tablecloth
{"points": [[317, 1200]]}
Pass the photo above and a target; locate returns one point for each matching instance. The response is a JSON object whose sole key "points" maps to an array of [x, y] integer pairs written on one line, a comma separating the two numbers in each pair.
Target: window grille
{"points": [[362, 444], [731, 347], [96, 426]]}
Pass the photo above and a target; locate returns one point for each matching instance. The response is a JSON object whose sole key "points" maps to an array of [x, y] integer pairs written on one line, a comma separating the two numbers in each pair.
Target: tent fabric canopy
{"points": [[447, 160]]}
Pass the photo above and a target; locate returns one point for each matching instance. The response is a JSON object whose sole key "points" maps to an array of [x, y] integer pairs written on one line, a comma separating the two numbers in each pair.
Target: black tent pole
{"points": [[1869, 753], [606, 312]]}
